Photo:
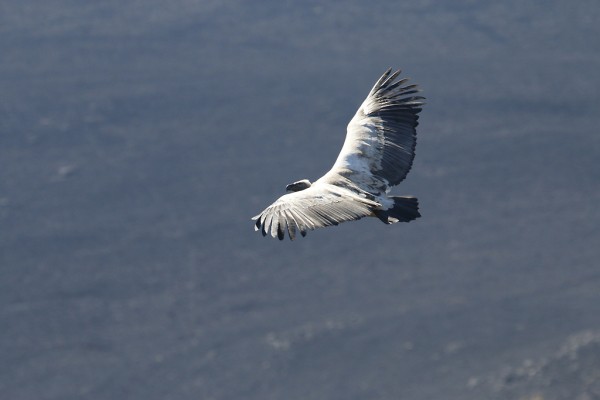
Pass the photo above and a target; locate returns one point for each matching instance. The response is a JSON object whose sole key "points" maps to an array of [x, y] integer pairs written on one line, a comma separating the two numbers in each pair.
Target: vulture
{"points": [[377, 154]]}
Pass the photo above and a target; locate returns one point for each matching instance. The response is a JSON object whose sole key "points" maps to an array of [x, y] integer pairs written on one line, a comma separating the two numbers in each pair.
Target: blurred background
{"points": [[138, 138]]}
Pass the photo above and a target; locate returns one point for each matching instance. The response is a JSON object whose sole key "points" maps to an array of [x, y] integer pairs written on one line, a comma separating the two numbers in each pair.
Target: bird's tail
{"points": [[405, 209]]}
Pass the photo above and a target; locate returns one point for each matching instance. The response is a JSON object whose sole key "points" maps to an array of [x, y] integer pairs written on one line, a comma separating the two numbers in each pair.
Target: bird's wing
{"points": [[380, 142], [318, 206]]}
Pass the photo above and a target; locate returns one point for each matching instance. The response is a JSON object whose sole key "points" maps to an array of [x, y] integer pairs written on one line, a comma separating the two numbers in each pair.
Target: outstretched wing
{"points": [[318, 206], [380, 142]]}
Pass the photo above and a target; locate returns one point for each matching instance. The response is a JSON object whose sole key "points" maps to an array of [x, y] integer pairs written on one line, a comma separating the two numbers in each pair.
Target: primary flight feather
{"points": [[377, 154]]}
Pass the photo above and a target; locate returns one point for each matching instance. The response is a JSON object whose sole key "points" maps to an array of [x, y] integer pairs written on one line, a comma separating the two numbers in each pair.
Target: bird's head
{"points": [[298, 186]]}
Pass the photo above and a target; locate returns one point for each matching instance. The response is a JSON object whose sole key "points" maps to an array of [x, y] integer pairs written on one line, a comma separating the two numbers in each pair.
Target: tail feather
{"points": [[405, 209]]}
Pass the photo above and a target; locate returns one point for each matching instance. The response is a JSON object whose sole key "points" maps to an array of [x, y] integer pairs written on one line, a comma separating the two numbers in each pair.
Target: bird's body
{"points": [[377, 154]]}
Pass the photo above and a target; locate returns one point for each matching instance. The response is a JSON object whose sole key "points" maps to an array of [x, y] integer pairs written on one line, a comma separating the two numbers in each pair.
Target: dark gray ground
{"points": [[137, 140]]}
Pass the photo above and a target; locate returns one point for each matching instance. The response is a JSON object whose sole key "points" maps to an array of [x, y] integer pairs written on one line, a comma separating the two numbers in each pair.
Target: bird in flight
{"points": [[377, 154]]}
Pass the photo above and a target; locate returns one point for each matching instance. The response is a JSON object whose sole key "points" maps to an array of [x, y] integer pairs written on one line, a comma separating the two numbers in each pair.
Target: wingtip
{"points": [[386, 79]]}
